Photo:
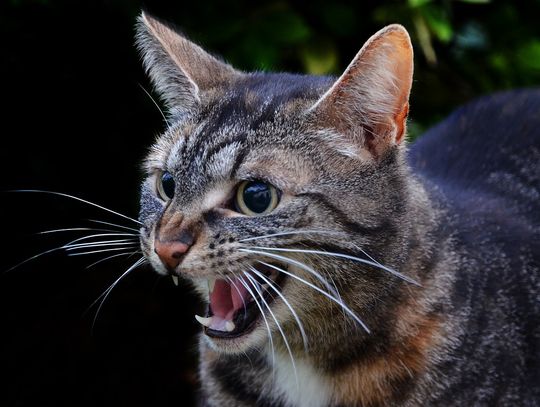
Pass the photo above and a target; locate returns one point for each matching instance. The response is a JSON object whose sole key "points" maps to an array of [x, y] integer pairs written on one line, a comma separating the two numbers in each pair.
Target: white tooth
{"points": [[175, 280], [204, 321], [211, 284], [229, 326]]}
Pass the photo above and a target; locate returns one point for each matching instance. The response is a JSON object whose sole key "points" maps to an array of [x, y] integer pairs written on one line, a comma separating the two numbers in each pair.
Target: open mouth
{"points": [[233, 311]]}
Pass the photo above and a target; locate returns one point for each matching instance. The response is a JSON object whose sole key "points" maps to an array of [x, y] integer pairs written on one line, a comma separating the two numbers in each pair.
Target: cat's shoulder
{"points": [[499, 132], [482, 164], [487, 152]]}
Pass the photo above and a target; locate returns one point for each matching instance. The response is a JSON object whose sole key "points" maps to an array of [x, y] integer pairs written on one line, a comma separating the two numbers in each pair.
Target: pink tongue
{"points": [[226, 299]]}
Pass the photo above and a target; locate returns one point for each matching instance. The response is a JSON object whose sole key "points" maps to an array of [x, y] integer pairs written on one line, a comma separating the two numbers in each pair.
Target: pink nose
{"points": [[171, 253]]}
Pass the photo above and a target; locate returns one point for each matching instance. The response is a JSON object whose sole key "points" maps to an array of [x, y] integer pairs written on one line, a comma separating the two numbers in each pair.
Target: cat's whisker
{"points": [[299, 232], [102, 243], [101, 251], [80, 239], [238, 291], [115, 225], [343, 256], [272, 284], [155, 104], [293, 262], [63, 247], [261, 296], [34, 257], [243, 282], [111, 257], [45, 232], [106, 293], [329, 296], [80, 200]]}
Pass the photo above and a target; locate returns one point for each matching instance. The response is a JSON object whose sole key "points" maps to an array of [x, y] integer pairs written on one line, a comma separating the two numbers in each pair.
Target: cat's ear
{"points": [[180, 70], [369, 104]]}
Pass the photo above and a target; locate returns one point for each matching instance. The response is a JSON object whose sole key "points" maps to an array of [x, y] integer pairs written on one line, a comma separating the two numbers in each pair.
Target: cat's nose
{"points": [[171, 253]]}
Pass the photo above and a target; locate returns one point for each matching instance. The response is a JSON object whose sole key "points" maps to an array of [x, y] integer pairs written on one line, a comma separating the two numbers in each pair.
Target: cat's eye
{"points": [[166, 186], [256, 198]]}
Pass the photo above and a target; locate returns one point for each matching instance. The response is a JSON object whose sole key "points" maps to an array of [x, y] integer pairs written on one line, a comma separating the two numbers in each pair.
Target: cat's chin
{"points": [[234, 318]]}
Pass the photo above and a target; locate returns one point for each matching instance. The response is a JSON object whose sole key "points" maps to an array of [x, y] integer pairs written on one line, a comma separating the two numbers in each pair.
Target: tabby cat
{"points": [[339, 268]]}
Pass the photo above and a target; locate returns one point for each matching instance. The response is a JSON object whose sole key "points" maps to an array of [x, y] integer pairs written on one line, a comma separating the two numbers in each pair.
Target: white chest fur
{"points": [[306, 388]]}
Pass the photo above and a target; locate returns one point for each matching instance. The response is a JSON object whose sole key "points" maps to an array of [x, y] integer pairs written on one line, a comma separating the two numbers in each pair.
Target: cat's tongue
{"points": [[227, 298]]}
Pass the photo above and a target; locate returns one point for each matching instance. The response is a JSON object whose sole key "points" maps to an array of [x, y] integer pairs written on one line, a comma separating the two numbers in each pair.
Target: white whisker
{"points": [[265, 322], [261, 296], [98, 244], [115, 225], [108, 290], [329, 296], [299, 232], [63, 247], [34, 257], [344, 256], [111, 257], [155, 104], [293, 312], [294, 262], [74, 230], [80, 239], [101, 251], [80, 200], [238, 291]]}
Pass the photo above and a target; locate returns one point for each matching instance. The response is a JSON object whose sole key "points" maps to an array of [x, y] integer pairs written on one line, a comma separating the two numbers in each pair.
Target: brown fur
{"points": [[373, 382]]}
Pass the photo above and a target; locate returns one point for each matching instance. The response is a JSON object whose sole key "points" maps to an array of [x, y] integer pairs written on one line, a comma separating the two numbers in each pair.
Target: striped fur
{"points": [[468, 334]]}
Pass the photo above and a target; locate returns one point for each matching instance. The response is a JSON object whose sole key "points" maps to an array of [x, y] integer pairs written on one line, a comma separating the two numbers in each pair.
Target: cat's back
{"points": [[482, 164], [491, 145], [485, 160]]}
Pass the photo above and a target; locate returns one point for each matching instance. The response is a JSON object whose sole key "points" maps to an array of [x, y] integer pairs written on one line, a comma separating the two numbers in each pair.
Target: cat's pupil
{"points": [[257, 196], [167, 183]]}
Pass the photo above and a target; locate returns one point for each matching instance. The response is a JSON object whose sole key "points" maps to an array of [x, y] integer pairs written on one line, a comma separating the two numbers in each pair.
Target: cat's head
{"points": [[278, 193]]}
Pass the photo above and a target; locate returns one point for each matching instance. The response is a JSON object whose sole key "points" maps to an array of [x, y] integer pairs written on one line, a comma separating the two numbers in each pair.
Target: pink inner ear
{"points": [[401, 122], [369, 103]]}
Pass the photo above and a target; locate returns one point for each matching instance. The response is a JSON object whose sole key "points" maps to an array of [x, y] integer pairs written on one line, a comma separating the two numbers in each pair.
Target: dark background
{"points": [[75, 119]]}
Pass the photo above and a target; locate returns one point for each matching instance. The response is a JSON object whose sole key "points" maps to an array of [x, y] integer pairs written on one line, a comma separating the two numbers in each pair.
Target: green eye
{"points": [[256, 198], [165, 186]]}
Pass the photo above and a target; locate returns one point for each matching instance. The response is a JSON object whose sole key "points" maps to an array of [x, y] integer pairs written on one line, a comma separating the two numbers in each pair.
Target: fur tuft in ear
{"points": [[180, 70], [369, 102]]}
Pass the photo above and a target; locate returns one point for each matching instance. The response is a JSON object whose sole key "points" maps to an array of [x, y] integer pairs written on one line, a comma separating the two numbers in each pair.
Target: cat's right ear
{"points": [[180, 70]]}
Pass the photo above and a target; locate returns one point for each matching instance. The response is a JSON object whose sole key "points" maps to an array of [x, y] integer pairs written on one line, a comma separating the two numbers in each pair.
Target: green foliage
{"points": [[464, 48]]}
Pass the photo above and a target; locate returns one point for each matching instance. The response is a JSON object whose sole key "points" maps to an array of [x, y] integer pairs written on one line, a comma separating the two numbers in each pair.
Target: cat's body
{"points": [[482, 330], [431, 267], [483, 164]]}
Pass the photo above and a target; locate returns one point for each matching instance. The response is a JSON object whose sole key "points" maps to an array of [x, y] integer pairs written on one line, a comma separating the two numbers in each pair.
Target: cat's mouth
{"points": [[237, 303]]}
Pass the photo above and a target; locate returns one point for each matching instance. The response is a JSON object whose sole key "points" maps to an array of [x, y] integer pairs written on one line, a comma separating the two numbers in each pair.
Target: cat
{"points": [[339, 266]]}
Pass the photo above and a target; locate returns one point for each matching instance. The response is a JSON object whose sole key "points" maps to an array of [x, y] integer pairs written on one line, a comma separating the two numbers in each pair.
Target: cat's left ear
{"points": [[369, 103], [181, 71]]}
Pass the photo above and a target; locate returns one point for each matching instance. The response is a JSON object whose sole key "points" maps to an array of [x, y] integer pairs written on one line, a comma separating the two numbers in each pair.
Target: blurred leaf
{"points": [[320, 59], [284, 25], [529, 55], [424, 37], [471, 36], [339, 18], [476, 1], [417, 3], [439, 23]]}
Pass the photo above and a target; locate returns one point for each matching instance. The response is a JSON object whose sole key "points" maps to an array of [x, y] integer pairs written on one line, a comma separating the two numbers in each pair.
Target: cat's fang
{"points": [[207, 322], [216, 323], [175, 280], [211, 284]]}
